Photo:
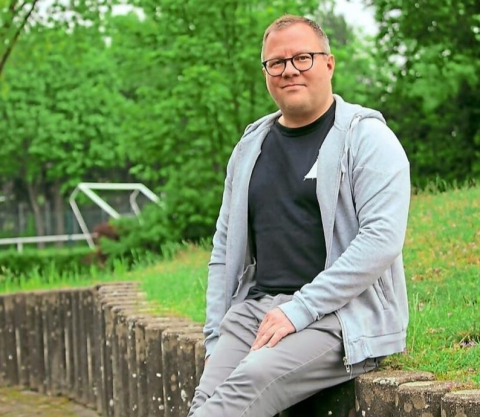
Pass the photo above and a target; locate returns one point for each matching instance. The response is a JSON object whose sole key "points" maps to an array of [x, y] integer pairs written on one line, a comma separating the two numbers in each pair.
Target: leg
{"points": [[237, 333], [270, 380]]}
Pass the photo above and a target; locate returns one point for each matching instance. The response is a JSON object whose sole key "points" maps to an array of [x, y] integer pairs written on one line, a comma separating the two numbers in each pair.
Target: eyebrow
{"points": [[283, 57]]}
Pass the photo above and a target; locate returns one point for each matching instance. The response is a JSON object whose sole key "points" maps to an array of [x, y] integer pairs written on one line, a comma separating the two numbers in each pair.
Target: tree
{"points": [[200, 85], [433, 52], [166, 92], [60, 114], [15, 16], [357, 74], [18, 16]]}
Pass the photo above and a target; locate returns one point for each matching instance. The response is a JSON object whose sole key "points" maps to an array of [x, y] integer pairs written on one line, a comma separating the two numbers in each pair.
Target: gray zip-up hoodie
{"points": [[363, 189]]}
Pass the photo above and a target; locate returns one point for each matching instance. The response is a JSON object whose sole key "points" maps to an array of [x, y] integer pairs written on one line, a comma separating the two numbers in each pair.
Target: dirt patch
{"points": [[19, 403]]}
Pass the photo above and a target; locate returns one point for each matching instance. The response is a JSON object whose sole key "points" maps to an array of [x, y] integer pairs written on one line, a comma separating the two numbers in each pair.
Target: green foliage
{"points": [[14, 19], [201, 84], [432, 53], [140, 237], [165, 96], [53, 278], [19, 19], [358, 75], [60, 110], [31, 261], [60, 107]]}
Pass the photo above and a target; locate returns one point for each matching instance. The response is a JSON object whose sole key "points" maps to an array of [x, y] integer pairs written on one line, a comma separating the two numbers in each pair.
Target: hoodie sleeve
{"points": [[216, 288], [380, 183]]}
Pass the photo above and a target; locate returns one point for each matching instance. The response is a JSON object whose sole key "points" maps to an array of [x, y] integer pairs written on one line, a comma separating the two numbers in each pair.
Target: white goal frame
{"points": [[87, 189]]}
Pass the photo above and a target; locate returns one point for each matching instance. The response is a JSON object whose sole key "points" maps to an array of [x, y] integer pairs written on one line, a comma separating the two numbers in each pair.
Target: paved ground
{"points": [[16, 403]]}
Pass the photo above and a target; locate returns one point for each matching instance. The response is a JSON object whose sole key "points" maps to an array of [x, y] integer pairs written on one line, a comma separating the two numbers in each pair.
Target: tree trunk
{"points": [[58, 210], [33, 194]]}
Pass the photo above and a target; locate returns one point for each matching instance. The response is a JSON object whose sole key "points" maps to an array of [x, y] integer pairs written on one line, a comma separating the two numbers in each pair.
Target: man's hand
{"points": [[273, 328]]}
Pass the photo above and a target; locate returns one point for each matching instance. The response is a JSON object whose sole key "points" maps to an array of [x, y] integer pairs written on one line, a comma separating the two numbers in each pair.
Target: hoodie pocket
{"points": [[383, 288]]}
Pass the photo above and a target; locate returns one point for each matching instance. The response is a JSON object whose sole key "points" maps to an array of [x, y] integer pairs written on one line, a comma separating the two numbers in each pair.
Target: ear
{"points": [[331, 65]]}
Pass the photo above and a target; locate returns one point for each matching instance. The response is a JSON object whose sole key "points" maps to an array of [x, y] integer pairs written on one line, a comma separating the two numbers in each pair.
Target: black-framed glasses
{"points": [[302, 62]]}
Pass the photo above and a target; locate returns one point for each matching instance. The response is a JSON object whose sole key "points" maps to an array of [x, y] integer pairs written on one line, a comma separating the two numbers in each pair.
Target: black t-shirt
{"points": [[284, 216]]}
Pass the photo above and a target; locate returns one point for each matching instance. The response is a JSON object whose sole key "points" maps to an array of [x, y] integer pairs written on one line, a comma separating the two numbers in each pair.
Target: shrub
{"points": [[73, 260], [138, 237]]}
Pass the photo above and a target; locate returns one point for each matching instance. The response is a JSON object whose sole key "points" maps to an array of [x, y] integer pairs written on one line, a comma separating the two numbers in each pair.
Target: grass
{"points": [[17, 402], [442, 261], [54, 279], [178, 285]]}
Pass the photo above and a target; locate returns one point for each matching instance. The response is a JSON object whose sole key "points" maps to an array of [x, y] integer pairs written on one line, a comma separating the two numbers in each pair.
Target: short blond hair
{"points": [[290, 20]]}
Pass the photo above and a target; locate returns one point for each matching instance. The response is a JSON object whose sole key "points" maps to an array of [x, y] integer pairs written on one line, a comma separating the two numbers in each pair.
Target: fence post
{"points": [[10, 340], [22, 337], [3, 359]]}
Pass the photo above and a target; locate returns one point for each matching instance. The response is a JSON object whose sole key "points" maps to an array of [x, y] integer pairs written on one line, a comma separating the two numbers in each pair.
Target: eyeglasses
{"points": [[302, 62]]}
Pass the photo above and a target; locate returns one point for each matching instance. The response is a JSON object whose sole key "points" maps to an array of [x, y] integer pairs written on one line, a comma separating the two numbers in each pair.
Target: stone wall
{"points": [[106, 348]]}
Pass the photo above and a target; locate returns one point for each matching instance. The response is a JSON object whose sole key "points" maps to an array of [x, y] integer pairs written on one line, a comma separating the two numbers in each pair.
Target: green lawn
{"points": [[442, 260]]}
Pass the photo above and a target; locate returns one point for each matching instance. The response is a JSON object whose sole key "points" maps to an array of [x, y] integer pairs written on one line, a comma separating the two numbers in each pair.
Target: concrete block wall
{"points": [[106, 348]]}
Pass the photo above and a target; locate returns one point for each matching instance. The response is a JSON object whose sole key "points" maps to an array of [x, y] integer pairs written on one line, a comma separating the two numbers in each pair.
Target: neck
{"points": [[293, 120]]}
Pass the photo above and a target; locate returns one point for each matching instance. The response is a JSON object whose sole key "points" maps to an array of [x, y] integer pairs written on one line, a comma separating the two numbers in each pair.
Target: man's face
{"points": [[301, 96]]}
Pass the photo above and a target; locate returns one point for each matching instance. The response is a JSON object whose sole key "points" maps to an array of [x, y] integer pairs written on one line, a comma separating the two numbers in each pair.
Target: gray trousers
{"points": [[262, 383]]}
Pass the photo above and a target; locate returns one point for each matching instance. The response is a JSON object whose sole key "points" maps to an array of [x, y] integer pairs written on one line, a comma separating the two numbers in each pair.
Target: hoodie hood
{"points": [[345, 114]]}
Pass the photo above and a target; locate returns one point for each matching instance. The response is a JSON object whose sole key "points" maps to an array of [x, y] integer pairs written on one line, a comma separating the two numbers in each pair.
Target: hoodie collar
{"points": [[345, 113]]}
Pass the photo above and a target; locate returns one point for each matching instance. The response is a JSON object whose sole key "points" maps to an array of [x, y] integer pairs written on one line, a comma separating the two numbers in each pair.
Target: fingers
{"points": [[277, 336], [274, 327], [263, 337], [264, 326], [270, 337], [265, 332]]}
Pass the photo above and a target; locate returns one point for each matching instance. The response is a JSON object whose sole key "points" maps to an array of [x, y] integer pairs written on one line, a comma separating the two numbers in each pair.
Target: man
{"points": [[306, 287]]}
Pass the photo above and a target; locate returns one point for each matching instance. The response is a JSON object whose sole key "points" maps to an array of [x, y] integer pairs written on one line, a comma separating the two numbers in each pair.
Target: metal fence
{"points": [[19, 242], [18, 220]]}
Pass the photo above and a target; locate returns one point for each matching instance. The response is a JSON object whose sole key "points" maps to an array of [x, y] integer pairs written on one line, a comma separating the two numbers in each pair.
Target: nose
{"points": [[289, 68]]}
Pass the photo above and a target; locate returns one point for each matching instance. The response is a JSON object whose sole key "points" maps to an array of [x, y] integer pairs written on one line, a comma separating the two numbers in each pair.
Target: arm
{"points": [[381, 193]]}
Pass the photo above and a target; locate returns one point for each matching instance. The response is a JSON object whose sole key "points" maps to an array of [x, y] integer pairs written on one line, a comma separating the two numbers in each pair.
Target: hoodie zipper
{"points": [[343, 163], [343, 168], [348, 368]]}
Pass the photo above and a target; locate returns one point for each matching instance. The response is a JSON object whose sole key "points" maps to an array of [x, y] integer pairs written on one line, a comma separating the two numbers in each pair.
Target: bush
{"points": [[42, 262], [159, 231], [136, 238]]}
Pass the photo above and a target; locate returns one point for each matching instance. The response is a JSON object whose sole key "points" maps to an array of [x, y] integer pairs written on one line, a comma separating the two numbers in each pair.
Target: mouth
{"points": [[288, 86]]}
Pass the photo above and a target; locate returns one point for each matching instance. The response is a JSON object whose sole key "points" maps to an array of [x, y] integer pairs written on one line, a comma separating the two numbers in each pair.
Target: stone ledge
{"points": [[461, 404], [421, 399], [105, 347], [376, 392]]}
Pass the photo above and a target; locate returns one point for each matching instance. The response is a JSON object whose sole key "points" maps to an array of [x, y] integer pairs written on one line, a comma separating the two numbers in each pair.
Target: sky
{"points": [[357, 14]]}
